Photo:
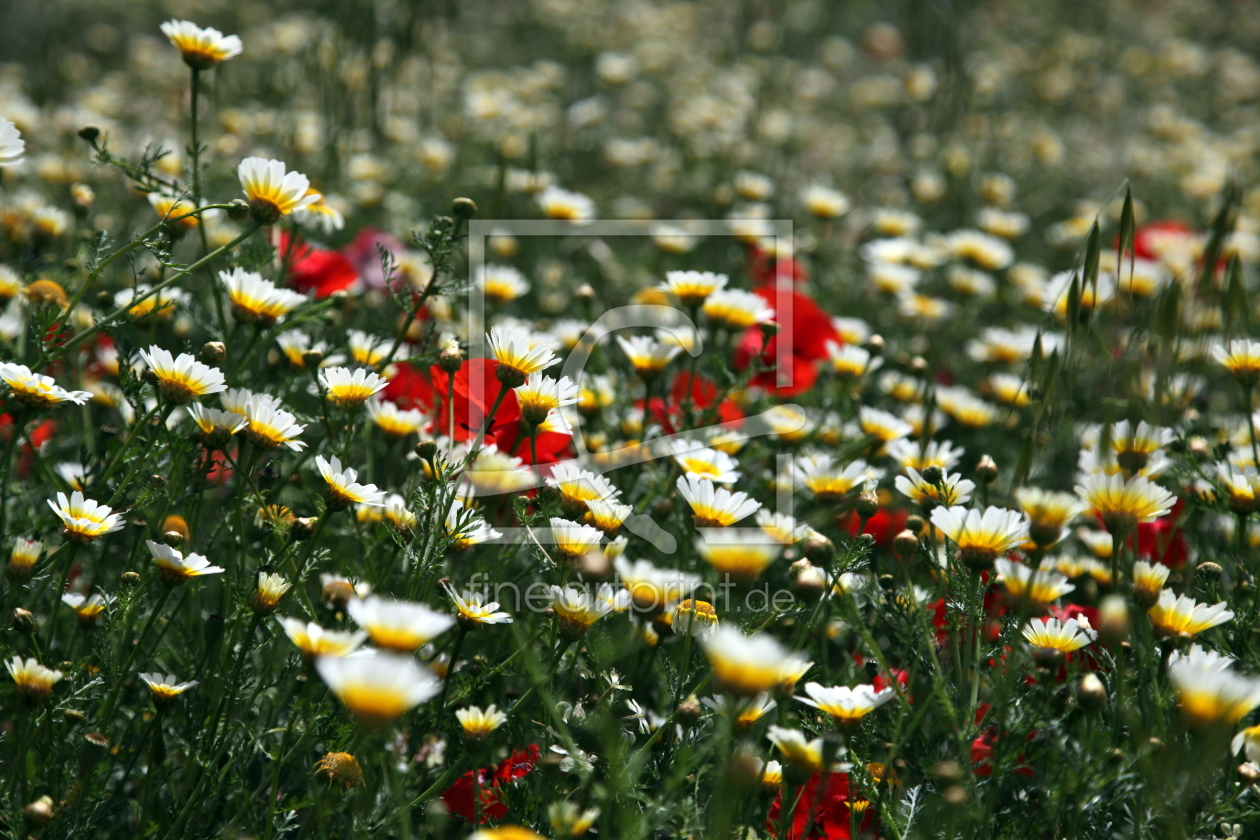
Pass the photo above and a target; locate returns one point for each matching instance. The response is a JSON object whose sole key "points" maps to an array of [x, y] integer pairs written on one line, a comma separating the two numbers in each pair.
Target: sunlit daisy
{"points": [[1148, 581], [1209, 691], [268, 591], [568, 206], [577, 608], [401, 626], [271, 191], [83, 519], [270, 426], [713, 506], [949, 490], [700, 461], [737, 310], [34, 681], [165, 688], [394, 421], [1051, 634], [1241, 357], [797, 749], [343, 487], [692, 288], [314, 640], [1123, 504], [473, 611], [1173, 616], [87, 609], [742, 558], [648, 356], [502, 283], [845, 704], [201, 48], [256, 299], [175, 569], [651, 589], [376, 686], [1048, 514], [478, 723], [319, 214], [826, 478], [37, 390], [750, 665], [182, 378], [1036, 586], [518, 356], [980, 537]]}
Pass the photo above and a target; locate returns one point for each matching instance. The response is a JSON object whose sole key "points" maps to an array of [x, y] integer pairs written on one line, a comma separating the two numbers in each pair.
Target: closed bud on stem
{"points": [[338, 593], [1091, 692], [212, 353], [906, 544], [90, 133], [875, 345], [23, 620], [463, 208], [808, 581], [130, 580], [915, 524], [819, 549], [426, 449], [312, 358], [932, 474], [173, 538], [585, 292], [987, 469], [689, 710], [451, 359], [867, 504], [238, 210], [1209, 570]]}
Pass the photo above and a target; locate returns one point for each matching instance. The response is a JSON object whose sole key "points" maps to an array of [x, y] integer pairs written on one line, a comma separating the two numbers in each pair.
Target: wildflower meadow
{"points": [[633, 419]]}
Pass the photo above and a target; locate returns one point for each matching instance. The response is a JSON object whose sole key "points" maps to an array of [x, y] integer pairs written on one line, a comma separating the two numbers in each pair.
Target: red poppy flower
{"points": [[767, 269], [364, 254], [669, 413], [459, 797], [803, 324], [883, 526], [1163, 540], [1150, 239], [471, 409], [35, 438], [822, 814], [315, 270]]}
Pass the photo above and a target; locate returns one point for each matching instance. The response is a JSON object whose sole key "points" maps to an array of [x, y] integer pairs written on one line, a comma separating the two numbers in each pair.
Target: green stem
{"points": [[121, 676]]}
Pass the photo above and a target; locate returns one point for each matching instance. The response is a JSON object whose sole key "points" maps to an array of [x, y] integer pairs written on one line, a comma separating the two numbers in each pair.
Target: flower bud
{"points": [[915, 524], [808, 581], [338, 593], [932, 474], [867, 504], [426, 449], [818, 549], [463, 208], [238, 210], [451, 359], [875, 345], [1113, 620], [212, 353], [312, 358], [987, 469], [1091, 692], [130, 580], [689, 710], [89, 133], [1209, 570], [906, 544], [23, 620]]}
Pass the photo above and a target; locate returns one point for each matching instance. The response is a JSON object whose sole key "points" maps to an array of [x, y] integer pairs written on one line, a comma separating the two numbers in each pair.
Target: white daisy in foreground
{"points": [[165, 689], [1051, 634], [175, 569], [11, 144], [343, 487], [273, 192], [714, 506], [749, 665], [84, 519], [37, 390], [34, 681], [376, 686], [217, 427], [518, 356], [1173, 616], [1209, 690], [349, 389], [573, 541], [201, 48], [980, 537], [1124, 504], [400, 626], [541, 395], [270, 426], [478, 723], [182, 378], [314, 640], [256, 299], [845, 704], [737, 310]]}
